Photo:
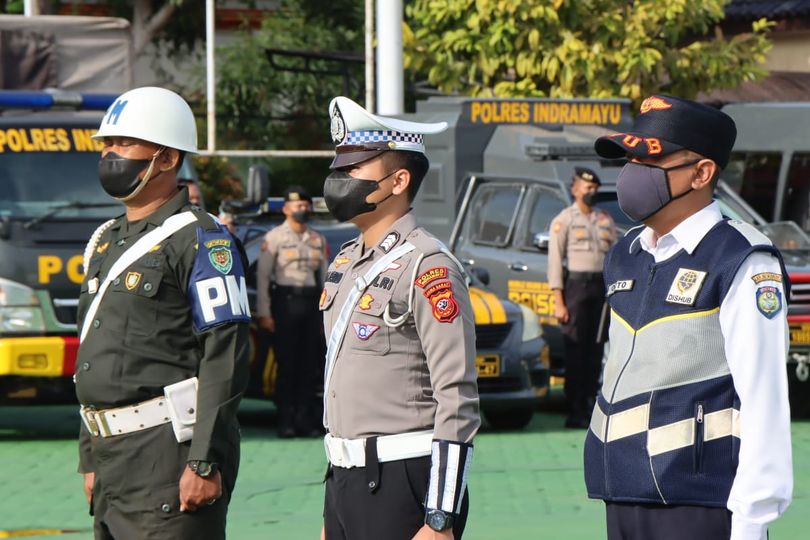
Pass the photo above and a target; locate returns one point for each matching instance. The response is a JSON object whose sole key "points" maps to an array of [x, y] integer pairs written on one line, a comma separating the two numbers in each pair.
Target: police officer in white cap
{"points": [[163, 312], [400, 392]]}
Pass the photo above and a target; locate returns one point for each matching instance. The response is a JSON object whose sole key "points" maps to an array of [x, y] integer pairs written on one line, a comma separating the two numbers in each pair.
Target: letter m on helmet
{"points": [[115, 111]]}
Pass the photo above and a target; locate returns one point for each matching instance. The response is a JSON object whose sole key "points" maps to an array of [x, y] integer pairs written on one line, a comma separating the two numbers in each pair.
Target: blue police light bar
{"points": [[48, 99]]}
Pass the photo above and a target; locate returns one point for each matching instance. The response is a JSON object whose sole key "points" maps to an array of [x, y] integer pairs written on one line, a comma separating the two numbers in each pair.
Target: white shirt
{"points": [[756, 349]]}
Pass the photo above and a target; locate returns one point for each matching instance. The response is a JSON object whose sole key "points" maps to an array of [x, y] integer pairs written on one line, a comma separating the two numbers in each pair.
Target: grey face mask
{"points": [[644, 189]]}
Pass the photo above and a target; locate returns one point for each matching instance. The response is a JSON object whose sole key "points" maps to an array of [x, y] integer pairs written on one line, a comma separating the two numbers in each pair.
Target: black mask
{"points": [[345, 195], [301, 216], [644, 189], [589, 198], [119, 175]]}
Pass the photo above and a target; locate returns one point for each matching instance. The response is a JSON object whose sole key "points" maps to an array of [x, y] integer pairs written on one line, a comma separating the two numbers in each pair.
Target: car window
{"points": [[544, 205], [754, 176], [494, 207]]}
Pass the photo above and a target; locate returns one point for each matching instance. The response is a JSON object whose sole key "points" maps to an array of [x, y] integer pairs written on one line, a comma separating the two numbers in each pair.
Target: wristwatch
{"points": [[203, 469], [438, 520]]}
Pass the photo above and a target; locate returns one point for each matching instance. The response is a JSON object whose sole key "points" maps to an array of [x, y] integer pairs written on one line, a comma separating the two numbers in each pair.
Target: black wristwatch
{"points": [[438, 520], [203, 469]]}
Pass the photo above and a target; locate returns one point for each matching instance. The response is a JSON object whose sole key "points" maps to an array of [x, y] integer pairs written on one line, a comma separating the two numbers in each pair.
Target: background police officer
{"points": [[291, 273], [158, 309], [581, 235], [690, 436], [400, 393]]}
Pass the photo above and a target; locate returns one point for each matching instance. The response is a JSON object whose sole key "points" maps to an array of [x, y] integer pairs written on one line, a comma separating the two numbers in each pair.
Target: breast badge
{"points": [[685, 287], [323, 299], [769, 301], [365, 302], [340, 261], [131, 280], [364, 331]]}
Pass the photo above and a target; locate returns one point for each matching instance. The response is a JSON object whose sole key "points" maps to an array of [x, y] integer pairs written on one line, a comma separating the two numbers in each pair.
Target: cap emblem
{"points": [[654, 103], [338, 126]]}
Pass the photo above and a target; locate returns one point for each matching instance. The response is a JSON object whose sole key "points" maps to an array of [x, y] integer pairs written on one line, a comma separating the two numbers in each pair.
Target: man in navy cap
{"points": [[581, 235], [690, 436]]}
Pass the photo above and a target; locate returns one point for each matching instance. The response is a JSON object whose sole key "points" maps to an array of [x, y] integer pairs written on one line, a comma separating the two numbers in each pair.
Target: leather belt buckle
{"points": [[90, 421]]}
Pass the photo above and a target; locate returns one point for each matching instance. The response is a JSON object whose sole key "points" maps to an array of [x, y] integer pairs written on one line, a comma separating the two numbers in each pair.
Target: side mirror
{"points": [[258, 184], [481, 273], [541, 240]]}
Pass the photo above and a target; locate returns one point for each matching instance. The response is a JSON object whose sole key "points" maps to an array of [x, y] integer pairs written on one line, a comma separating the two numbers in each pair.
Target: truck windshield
{"points": [[33, 183], [786, 235]]}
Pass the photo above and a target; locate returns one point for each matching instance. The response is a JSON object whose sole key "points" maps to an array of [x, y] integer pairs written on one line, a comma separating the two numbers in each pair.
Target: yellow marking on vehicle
{"points": [[480, 310], [488, 365], [22, 533], [51, 265], [537, 295], [495, 306], [800, 334], [32, 356]]}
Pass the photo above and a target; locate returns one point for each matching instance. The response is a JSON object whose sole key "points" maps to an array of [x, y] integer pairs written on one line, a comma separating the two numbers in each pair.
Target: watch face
{"points": [[437, 520]]}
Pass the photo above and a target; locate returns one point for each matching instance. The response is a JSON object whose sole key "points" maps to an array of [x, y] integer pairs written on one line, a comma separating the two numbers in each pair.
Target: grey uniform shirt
{"points": [[290, 259], [581, 239], [418, 376]]}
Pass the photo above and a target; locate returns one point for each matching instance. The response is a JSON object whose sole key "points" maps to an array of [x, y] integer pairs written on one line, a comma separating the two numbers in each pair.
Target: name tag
{"points": [[620, 286], [685, 287]]}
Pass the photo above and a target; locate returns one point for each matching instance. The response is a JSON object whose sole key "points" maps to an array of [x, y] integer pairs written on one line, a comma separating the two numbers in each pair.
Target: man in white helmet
{"points": [[164, 319]]}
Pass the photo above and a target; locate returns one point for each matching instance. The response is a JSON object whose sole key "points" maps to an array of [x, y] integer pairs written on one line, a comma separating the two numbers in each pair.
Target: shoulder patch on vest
{"points": [[685, 287], [767, 276], [769, 301], [217, 289], [750, 233]]}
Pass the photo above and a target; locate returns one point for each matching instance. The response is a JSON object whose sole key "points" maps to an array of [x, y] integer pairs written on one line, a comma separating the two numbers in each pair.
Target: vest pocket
{"points": [[698, 451]]}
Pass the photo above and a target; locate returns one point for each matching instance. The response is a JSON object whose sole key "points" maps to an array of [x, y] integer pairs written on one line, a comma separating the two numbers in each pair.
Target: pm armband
{"points": [[450, 462]]}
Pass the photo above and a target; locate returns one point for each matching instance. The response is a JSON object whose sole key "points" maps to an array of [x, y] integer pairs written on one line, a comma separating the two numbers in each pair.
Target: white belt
{"points": [[348, 453], [111, 422]]}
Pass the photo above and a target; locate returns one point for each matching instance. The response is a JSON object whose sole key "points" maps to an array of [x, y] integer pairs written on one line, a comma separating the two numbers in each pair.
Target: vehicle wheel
{"points": [[509, 418]]}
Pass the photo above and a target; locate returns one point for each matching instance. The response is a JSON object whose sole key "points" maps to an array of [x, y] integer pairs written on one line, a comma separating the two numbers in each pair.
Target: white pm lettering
{"points": [[215, 292]]}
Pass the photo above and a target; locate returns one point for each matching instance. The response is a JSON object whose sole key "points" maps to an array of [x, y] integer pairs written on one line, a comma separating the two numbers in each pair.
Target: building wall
{"points": [[791, 51]]}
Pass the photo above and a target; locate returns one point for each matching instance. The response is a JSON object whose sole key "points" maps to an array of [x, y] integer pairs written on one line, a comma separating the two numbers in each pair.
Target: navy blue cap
{"points": [[586, 174], [667, 124], [296, 193]]}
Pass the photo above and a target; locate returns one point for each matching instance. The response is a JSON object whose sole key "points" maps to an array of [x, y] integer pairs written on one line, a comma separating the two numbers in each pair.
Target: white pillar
{"points": [[30, 7], [370, 56], [390, 93], [210, 75]]}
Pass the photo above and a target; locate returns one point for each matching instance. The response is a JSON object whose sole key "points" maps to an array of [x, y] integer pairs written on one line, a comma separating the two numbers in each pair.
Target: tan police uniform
{"points": [[582, 241], [290, 274], [401, 395]]}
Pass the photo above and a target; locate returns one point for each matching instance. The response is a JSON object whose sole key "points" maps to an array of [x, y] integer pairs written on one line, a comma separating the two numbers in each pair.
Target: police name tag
{"points": [[620, 286], [685, 287]]}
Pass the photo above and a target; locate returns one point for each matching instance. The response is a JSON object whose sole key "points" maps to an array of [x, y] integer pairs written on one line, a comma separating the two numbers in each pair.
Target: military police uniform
{"points": [[576, 254], [177, 311], [400, 390], [291, 273], [690, 436]]}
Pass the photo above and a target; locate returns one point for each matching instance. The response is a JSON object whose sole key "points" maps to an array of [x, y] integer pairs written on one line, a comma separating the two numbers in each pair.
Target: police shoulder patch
{"points": [[445, 307], [769, 301], [439, 272]]}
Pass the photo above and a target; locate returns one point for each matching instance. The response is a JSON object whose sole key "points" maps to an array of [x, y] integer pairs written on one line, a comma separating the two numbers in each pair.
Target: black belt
{"points": [[296, 291], [585, 276]]}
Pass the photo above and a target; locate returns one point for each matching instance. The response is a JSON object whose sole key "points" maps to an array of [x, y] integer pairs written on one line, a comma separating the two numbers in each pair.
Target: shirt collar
{"points": [[687, 234]]}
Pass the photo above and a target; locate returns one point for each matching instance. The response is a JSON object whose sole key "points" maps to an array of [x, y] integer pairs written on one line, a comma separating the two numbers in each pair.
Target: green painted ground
{"points": [[524, 484]]}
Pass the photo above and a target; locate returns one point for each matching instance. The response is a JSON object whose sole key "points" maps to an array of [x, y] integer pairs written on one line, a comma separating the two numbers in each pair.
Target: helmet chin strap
{"points": [[146, 177]]}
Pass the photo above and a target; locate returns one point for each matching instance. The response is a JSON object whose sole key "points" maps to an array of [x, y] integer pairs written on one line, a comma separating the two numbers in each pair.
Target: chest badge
{"points": [[769, 301], [685, 287], [132, 279], [340, 261], [365, 302], [364, 331], [102, 248], [322, 301]]}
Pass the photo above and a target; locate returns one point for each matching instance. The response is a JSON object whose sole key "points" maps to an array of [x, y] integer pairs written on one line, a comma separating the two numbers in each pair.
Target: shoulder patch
{"points": [[767, 276], [750, 233], [769, 301], [389, 241], [556, 226], [438, 272], [445, 307], [217, 289]]}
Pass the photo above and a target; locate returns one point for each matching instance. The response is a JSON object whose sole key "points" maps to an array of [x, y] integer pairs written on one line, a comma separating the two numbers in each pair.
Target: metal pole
{"points": [[370, 56], [271, 153], [30, 7], [210, 75], [390, 94]]}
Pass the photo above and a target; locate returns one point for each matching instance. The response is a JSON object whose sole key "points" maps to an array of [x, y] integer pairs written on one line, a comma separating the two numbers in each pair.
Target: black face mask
{"points": [[119, 175], [589, 198], [301, 216], [345, 195]]}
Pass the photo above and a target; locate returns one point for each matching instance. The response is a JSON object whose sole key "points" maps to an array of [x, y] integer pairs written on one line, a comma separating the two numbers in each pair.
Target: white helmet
{"points": [[151, 114]]}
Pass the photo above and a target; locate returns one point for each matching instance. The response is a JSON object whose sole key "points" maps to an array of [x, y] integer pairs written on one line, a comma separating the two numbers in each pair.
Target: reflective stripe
{"points": [[598, 423], [671, 437], [627, 423], [720, 424]]}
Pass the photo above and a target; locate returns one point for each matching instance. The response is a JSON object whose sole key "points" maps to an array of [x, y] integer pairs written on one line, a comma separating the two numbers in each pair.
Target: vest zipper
{"points": [[699, 430]]}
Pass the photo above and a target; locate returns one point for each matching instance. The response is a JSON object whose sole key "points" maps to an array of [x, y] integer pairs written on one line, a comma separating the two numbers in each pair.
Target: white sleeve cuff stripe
{"points": [[433, 492], [451, 477], [464, 472], [450, 462]]}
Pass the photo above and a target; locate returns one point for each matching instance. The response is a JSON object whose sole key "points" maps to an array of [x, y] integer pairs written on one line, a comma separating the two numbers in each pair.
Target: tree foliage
{"points": [[579, 48]]}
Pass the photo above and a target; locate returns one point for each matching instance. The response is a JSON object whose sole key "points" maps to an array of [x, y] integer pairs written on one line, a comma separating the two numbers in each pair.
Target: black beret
{"points": [[586, 174], [296, 193], [667, 124]]}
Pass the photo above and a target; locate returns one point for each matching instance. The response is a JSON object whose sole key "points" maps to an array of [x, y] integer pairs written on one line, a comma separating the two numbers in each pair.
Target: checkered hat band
{"points": [[363, 137]]}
